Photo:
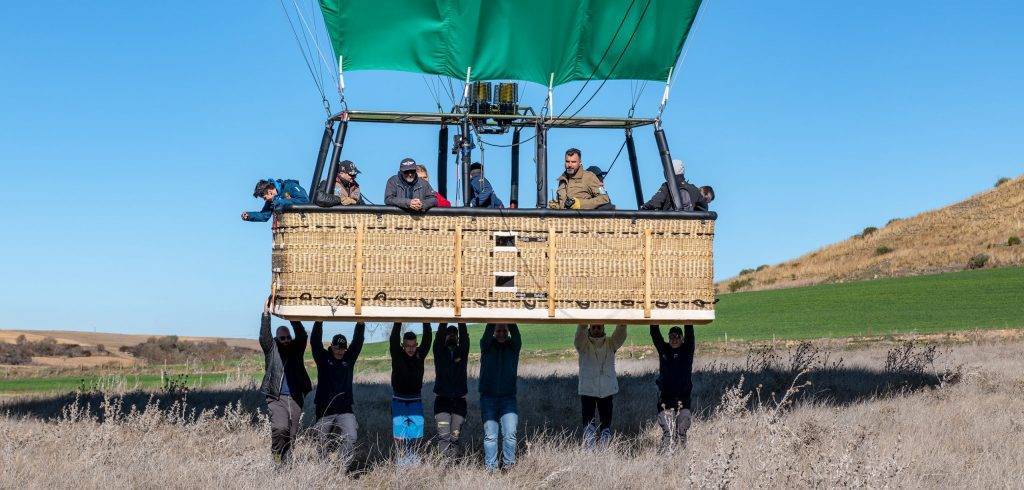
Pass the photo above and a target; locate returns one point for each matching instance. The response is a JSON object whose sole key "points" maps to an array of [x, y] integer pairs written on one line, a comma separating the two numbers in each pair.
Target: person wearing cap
{"points": [[597, 380], [277, 194], [578, 188], [407, 383], [675, 382], [346, 189], [451, 360], [285, 382], [407, 191], [442, 202], [499, 372], [481, 193], [690, 196], [336, 424]]}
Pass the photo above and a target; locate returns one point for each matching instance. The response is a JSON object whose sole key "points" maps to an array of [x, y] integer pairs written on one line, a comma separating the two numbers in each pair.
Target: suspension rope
{"points": [[309, 66], [702, 11]]}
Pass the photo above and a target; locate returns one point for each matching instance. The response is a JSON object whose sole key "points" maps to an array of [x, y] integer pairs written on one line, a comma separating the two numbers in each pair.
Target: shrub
{"points": [[977, 262], [762, 267], [746, 271], [882, 250], [869, 230], [171, 350], [887, 223], [1014, 240], [22, 350], [1001, 181], [739, 284]]}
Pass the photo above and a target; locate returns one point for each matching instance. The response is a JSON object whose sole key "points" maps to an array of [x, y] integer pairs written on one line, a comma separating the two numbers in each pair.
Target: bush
{"points": [[746, 271], [1001, 181], [22, 350], [882, 250], [171, 350], [762, 267], [977, 262], [869, 230], [1014, 240], [887, 223], [739, 284]]}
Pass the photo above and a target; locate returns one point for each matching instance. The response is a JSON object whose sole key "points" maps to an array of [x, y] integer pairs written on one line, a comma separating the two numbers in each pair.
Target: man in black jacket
{"points": [[675, 382], [285, 382], [407, 382], [450, 363], [336, 424], [407, 191]]}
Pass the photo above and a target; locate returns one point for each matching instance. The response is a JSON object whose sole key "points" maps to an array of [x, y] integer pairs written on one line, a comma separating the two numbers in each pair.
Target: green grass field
{"points": [[980, 299]]}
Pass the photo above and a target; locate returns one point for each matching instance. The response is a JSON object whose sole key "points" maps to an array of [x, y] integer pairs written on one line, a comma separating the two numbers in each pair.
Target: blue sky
{"points": [[131, 134]]}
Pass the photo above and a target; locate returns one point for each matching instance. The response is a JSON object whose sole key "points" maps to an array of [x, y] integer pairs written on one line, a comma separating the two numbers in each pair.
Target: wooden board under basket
{"points": [[348, 266]]}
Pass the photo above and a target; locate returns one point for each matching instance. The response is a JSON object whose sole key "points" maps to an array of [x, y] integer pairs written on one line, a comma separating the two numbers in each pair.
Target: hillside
{"points": [[935, 241]]}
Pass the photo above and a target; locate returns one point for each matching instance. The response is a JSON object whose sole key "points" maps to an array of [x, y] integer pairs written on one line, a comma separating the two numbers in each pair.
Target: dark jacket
{"points": [[499, 362], [344, 195], [407, 371], [399, 192], [689, 195], [334, 376], [675, 366], [450, 364], [289, 192], [483, 194], [284, 363]]}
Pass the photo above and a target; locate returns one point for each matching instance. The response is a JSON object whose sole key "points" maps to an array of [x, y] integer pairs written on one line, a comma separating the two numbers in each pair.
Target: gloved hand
{"points": [[553, 204], [571, 203]]}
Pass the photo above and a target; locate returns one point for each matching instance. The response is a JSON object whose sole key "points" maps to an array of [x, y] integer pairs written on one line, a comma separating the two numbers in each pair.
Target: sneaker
{"points": [[606, 437]]}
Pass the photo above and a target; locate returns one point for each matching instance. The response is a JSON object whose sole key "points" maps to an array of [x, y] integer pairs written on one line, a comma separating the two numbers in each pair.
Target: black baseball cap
{"points": [[675, 330], [339, 341], [407, 165], [348, 167], [594, 169]]}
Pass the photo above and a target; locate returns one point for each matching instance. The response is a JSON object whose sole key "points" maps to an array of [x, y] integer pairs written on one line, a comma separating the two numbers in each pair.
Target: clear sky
{"points": [[131, 134]]}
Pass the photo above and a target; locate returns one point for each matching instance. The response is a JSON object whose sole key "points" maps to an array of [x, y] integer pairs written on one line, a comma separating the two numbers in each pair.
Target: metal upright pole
{"points": [[442, 160], [542, 166], [467, 160], [513, 196], [321, 158], [339, 143], [634, 168], [666, 166]]}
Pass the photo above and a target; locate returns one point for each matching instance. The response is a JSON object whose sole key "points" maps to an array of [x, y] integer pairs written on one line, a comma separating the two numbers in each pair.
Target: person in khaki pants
{"points": [[598, 382], [285, 382]]}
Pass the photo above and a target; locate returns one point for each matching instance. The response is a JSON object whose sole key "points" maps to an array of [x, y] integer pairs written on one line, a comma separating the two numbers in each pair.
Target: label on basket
{"points": [[533, 239], [531, 295]]}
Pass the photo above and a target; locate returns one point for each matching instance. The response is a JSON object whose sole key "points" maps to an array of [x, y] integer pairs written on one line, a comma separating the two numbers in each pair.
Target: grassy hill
{"points": [[941, 240]]}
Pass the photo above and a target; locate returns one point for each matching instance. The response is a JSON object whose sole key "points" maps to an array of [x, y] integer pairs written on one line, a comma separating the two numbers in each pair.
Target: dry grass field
{"points": [[935, 241], [793, 415]]}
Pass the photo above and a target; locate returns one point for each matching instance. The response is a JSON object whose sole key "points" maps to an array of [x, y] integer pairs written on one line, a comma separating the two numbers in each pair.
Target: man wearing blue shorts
{"points": [[407, 382]]}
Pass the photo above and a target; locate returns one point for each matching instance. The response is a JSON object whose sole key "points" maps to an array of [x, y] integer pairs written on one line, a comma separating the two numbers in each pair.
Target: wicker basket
{"points": [[381, 266]]}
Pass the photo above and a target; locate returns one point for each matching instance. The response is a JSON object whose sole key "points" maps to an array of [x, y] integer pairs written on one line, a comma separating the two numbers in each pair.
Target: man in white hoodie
{"points": [[598, 383]]}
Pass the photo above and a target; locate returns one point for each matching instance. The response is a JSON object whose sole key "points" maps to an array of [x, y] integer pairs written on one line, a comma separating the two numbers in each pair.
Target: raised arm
{"points": [[464, 339], [442, 333], [618, 337], [487, 340], [395, 341], [689, 342], [428, 337], [356, 346], [517, 339], [301, 337], [316, 342], [581, 337], [659, 341], [266, 339]]}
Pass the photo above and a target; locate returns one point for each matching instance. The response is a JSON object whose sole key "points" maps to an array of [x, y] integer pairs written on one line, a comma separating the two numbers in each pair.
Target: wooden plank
{"points": [[458, 270], [472, 314], [551, 272], [647, 272], [360, 231]]}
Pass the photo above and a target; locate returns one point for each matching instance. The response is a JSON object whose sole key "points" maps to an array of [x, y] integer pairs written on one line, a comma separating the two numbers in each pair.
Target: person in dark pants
{"points": [[675, 382], [407, 382], [451, 358], [285, 382], [336, 425], [499, 370], [598, 383]]}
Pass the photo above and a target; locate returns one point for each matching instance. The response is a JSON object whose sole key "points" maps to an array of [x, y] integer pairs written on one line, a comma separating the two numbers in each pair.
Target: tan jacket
{"points": [[597, 361], [584, 186]]}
